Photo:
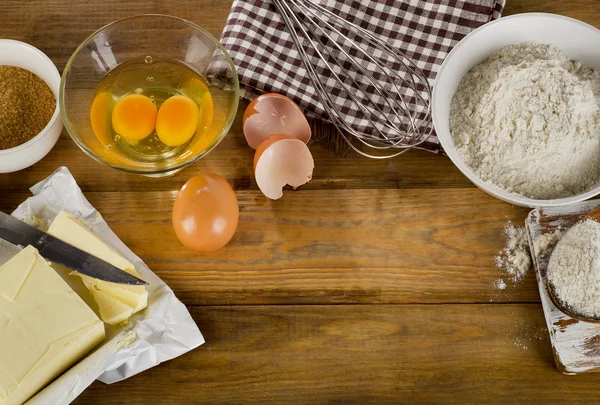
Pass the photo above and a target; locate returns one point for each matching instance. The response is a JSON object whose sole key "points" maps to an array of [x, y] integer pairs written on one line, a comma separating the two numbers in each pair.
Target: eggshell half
{"points": [[281, 160], [271, 114]]}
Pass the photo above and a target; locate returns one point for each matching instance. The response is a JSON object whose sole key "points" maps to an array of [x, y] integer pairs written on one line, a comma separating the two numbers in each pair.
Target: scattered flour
{"points": [[500, 284], [515, 257], [526, 335], [546, 240], [527, 120], [574, 268], [520, 344]]}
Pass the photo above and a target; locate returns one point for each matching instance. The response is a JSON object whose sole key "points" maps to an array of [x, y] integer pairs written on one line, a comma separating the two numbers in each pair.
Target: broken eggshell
{"points": [[280, 160], [272, 114]]}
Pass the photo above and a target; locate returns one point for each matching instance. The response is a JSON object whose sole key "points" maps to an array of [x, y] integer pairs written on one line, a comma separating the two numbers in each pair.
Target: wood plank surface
{"points": [[372, 284], [356, 246], [360, 355]]}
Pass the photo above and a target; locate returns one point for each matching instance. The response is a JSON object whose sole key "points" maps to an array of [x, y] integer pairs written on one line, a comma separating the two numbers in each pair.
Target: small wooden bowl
{"points": [[594, 216], [565, 308]]}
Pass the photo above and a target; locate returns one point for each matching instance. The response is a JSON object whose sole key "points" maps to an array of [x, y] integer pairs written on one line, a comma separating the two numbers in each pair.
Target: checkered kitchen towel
{"points": [[424, 30]]}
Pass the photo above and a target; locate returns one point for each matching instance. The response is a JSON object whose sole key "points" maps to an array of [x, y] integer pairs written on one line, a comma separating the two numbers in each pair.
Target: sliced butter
{"points": [[45, 326], [108, 296], [112, 311]]}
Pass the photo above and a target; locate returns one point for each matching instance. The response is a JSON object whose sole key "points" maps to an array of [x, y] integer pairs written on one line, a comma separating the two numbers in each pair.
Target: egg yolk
{"points": [[100, 124], [134, 117], [197, 90], [177, 120]]}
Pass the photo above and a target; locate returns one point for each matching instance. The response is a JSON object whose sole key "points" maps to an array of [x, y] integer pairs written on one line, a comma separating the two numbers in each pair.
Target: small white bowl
{"points": [[576, 39], [20, 54]]}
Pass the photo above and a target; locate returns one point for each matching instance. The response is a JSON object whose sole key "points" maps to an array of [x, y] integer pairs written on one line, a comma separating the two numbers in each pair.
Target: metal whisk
{"points": [[377, 98]]}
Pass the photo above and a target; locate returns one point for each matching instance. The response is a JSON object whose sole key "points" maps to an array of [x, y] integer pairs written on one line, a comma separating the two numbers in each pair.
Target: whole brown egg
{"points": [[205, 213]]}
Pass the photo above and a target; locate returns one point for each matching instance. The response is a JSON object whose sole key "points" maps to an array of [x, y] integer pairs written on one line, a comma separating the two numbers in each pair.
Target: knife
{"points": [[19, 233]]}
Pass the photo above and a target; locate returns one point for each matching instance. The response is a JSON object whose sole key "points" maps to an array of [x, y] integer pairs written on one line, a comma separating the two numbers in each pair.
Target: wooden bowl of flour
{"points": [[582, 242], [579, 41]]}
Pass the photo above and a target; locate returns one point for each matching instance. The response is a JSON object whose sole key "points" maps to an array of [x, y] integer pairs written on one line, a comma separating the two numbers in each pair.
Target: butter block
{"points": [[45, 326], [111, 310], [116, 302]]}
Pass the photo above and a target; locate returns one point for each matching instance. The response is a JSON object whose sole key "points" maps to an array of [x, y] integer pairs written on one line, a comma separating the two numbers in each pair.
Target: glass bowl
{"points": [[153, 38]]}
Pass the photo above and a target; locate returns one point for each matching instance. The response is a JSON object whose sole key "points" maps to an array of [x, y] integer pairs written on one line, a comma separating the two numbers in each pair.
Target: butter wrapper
{"points": [[163, 331]]}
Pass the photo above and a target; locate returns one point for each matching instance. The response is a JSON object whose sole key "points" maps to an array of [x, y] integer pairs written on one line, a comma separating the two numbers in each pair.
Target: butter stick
{"points": [[116, 302]]}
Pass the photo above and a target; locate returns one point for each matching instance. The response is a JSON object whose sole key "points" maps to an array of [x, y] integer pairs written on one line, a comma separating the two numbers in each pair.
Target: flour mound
{"points": [[515, 257], [527, 120], [574, 268]]}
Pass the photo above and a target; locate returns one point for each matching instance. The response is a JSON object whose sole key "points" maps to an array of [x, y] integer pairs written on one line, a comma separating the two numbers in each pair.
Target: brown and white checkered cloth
{"points": [[425, 31]]}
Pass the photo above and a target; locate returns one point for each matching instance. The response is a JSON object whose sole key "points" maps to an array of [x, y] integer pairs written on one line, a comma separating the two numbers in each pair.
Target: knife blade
{"points": [[19, 233]]}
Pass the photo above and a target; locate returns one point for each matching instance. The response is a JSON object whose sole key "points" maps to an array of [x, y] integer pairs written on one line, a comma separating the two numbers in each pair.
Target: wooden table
{"points": [[372, 284]]}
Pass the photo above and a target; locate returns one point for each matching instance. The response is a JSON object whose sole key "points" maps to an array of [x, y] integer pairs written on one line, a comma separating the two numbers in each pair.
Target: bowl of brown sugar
{"points": [[30, 122]]}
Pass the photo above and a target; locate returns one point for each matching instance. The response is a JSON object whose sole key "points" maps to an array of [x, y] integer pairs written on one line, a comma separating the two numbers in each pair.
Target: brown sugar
{"points": [[26, 106]]}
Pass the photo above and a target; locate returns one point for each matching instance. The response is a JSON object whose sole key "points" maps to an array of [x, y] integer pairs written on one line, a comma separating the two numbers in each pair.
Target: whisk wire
{"points": [[375, 41], [379, 44], [363, 109], [383, 93], [388, 91]]}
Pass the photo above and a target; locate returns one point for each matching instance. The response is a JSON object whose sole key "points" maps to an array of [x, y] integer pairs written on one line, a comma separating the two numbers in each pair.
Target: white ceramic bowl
{"points": [[16, 53], [578, 40]]}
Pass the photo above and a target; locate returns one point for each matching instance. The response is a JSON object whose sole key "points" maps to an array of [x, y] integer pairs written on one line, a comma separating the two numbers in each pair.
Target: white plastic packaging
{"points": [[163, 331]]}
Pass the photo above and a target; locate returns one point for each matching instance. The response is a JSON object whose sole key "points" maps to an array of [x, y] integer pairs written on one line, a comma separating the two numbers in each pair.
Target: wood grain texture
{"points": [[355, 246], [360, 355], [408, 231], [584, 10]]}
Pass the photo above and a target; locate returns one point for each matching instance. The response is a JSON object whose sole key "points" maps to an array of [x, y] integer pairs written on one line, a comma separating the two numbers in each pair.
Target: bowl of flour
{"points": [[516, 106], [574, 271]]}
